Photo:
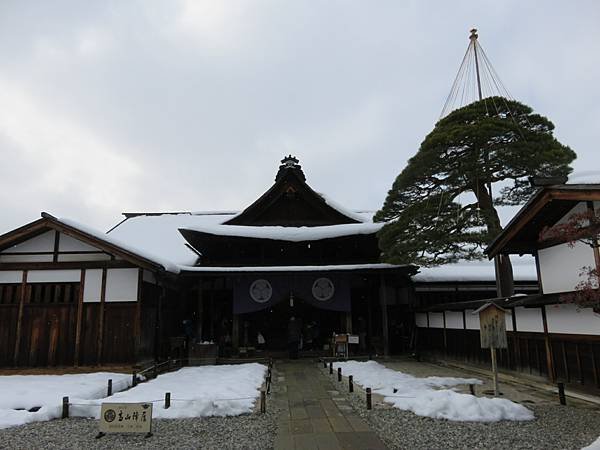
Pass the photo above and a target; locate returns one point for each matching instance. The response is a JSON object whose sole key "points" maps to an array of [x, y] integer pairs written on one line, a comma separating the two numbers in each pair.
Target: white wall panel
{"points": [[25, 258], [11, 276], [84, 257], [421, 320], [508, 320], [529, 319], [122, 285], [569, 319], [42, 243], [70, 244], [454, 319], [53, 276], [561, 265], [472, 320], [93, 285], [436, 320]]}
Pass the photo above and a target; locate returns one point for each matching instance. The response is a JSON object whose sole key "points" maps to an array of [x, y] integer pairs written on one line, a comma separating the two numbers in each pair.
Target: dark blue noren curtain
{"points": [[321, 290]]}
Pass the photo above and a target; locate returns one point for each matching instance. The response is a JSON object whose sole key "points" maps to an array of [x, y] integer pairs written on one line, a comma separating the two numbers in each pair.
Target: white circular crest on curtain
{"points": [[261, 291], [323, 289]]}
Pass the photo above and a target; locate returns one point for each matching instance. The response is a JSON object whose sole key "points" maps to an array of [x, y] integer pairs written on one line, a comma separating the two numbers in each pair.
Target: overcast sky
{"points": [[119, 106]]}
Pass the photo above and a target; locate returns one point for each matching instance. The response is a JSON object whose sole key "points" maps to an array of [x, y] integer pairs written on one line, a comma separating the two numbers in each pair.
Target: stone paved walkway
{"points": [[314, 415]]}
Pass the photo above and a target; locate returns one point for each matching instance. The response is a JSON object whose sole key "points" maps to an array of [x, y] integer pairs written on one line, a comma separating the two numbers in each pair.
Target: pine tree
{"points": [[439, 208]]}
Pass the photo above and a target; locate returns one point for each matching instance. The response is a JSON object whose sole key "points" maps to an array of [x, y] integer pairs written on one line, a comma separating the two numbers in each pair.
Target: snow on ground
{"points": [[426, 396], [593, 446], [227, 390], [19, 393]]}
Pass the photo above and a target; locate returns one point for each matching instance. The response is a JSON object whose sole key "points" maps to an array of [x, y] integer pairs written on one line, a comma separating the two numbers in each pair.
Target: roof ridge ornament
{"points": [[290, 163]]}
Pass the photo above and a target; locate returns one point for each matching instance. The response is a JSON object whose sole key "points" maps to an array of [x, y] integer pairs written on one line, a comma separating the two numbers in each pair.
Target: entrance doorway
{"points": [[317, 326]]}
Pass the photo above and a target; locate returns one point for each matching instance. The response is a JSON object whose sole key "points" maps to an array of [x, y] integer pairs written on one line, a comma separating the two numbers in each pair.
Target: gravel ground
{"points": [[555, 427], [250, 431]]}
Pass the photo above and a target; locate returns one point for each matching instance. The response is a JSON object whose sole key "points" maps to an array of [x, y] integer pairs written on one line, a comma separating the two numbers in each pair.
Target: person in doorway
{"points": [[294, 335]]}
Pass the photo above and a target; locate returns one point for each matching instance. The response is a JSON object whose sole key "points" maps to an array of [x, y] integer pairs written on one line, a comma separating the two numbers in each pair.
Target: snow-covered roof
{"points": [[124, 244], [336, 267], [292, 234], [159, 234], [473, 271]]}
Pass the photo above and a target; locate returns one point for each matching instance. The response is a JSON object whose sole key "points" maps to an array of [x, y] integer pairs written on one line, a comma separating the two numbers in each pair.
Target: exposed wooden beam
{"points": [[67, 265], [22, 299]]}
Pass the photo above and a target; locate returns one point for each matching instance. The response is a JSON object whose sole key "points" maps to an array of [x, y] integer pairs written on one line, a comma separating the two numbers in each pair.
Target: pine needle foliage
{"points": [[493, 141]]}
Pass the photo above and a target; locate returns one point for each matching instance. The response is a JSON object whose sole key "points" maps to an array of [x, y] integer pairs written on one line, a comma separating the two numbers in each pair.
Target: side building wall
{"points": [[557, 342]]}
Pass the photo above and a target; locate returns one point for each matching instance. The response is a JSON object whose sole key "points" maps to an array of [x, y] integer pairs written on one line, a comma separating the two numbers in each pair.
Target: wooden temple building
{"points": [[71, 295]]}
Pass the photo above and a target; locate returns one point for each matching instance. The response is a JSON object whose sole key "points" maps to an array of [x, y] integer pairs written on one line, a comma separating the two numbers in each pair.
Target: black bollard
{"points": [[369, 402], [134, 378], [350, 384], [263, 401], [339, 374], [167, 400], [561, 394], [472, 389], [65, 408], [330, 368], [109, 388]]}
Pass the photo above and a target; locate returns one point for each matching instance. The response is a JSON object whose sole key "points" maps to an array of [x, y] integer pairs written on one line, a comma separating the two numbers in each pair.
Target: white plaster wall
{"points": [[472, 320], [508, 320], [560, 266], [11, 276], [122, 285], [421, 320], [42, 243], [53, 276], [70, 244], [84, 257], [569, 319], [577, 209], [529, 319], [436, 320], [25, 258], [93, 285], [454, 319]]}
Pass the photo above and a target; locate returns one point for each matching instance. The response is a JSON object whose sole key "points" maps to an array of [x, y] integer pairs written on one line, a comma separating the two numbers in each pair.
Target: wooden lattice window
{"points": [[10, 294], [52, 293]]}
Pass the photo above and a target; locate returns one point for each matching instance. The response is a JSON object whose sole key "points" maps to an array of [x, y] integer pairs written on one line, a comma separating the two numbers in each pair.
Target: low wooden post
{"points": [[263, 401], [134, 378], [339, 374], [65, 408], [330, 368], [472, 389], [561, 394], [350, 384], [324, 364], [155, 371], [494, 370], [167, 400], [109, 388], [369, 400]]}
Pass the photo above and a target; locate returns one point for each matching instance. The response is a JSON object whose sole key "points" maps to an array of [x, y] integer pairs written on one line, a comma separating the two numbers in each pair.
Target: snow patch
{"points": [[427, 396], [227, 390], [23, 392], [593, 446]]}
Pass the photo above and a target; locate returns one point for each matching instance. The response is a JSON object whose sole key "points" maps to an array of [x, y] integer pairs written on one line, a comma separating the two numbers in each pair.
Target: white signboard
{"points": [[126, 418], [353, 339]]}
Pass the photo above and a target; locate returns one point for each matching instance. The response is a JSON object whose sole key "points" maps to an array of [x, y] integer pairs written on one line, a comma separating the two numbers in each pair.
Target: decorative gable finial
{"points": [[290, 163]]}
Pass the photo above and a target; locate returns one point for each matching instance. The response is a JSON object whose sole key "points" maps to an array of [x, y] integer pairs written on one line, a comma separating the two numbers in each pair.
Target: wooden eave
{"points": [[545, 208], [49, 222]]}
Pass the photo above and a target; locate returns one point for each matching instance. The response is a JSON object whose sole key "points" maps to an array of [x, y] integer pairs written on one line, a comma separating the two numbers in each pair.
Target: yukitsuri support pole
{"points": [[134, 379], [369, 401], [65, 408], [330, 368], [263, 401], [561, 394], [167, 400], [109, 388], [350, 384], [339, 374], [472, 389]]}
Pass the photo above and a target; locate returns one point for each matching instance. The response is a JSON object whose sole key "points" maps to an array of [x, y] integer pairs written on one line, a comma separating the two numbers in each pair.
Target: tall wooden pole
{"points": [[473, 39]]}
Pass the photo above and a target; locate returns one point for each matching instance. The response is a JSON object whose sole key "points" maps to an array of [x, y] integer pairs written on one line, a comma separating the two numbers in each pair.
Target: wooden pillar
{"points": [[549, 359], [384, 316], [158, 336], [79, 318], [101, 317], [516, 341], [22, 299], [137, 319], [235, 332], [348, 322], [200, 311], [445, 334]]}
